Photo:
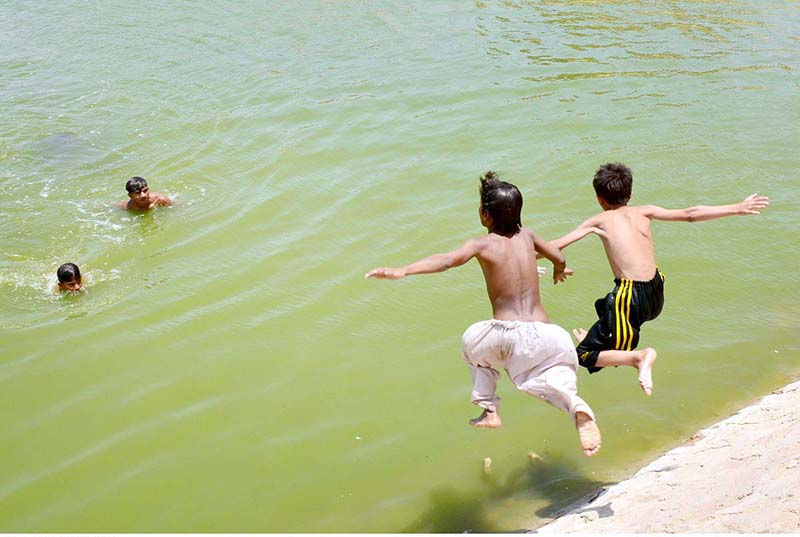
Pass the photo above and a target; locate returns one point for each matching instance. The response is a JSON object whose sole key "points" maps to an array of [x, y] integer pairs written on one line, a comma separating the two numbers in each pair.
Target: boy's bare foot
{"points": [[579, 333], [588, 433], [487, 420], [646, 369]]}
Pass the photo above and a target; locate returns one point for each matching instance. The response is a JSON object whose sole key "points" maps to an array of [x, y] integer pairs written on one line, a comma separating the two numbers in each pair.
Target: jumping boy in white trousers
{"points": [[539, 357]]}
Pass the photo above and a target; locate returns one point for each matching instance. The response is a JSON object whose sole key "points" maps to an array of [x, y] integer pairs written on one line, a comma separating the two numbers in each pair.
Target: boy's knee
{"points": [[588, 359]]}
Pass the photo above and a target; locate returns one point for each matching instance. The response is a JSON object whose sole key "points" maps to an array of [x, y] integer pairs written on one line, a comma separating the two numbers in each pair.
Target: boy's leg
{"points": [[479, 342], [590, 343], [487, 420], [642, 360], [588, 434], [558, 387], [555, 381], [484, 386]]}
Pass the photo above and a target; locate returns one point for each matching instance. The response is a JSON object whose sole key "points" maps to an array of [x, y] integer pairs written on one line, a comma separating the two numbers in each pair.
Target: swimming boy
{"points": [[141, 199], [539, 357], [638, 293], [69, 277]]}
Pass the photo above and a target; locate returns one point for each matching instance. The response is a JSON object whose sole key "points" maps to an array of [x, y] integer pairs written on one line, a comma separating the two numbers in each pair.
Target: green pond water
{"points": [[228, 369]]}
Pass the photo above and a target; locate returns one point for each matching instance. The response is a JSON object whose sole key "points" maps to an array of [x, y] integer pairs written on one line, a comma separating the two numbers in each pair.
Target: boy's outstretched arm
{"points": [[587, 227], [430, 264], [752, 204], [546, 249]]}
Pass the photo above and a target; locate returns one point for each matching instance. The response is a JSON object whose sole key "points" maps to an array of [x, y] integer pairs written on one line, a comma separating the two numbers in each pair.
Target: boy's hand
{"points": [[561, 275], [385, 273], [753, 203]]}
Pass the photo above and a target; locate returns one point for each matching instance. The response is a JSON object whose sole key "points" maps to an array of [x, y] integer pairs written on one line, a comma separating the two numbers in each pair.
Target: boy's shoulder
{"points": [[611, 221], [483, 240], [495, 240], [530, 235], [645, 211], [637, 210]]}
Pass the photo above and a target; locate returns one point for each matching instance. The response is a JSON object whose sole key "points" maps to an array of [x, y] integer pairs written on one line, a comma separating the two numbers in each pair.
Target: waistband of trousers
{"points": [[658, 278]]}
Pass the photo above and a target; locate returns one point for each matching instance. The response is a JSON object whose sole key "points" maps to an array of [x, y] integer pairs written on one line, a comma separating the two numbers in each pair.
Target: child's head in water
{"points": [[501, 205], [69, 277], [137, 189]]}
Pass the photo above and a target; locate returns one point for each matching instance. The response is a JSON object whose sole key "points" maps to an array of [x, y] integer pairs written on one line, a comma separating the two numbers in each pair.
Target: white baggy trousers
{"points": [[539, 358]]}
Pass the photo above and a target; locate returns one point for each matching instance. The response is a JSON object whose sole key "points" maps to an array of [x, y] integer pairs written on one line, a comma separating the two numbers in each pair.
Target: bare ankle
{"points": [[646, 362], [487, 419], [588, 433]]}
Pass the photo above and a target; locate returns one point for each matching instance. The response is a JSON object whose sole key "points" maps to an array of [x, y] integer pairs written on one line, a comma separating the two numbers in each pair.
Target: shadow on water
{"points": [[555, 480]]}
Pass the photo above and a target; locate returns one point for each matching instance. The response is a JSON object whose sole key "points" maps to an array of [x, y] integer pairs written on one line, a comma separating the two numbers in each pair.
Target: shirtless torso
{"points": [[628, 242], [512, 280]]}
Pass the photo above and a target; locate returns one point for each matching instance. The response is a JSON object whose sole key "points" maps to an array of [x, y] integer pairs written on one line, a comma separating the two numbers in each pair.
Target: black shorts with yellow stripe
{"points": [[620, 315]]}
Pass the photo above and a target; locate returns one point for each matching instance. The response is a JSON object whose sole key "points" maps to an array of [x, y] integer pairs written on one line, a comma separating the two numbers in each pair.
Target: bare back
{"points": [[512, 280], [625, 232]]}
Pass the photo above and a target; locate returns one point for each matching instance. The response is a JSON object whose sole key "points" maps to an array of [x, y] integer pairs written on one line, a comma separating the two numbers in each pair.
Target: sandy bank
{"points": [[739, 475]]}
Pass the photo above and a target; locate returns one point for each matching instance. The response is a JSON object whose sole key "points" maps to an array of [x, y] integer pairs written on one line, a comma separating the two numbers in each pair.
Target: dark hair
{"points": [[68, 272], [503, 203], [613, 183], [135, 184]]}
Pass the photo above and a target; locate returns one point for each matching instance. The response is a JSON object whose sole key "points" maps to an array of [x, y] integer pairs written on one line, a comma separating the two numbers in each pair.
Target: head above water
{"points": [[501, 205], [69, 277], [136, 184], [613, 183]]}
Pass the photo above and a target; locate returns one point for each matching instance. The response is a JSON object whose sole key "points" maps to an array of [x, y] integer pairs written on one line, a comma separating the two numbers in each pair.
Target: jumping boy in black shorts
{"points": [[638, 293]]}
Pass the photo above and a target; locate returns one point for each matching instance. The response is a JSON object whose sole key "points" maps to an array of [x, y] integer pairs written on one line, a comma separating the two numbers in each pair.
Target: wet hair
{"points": [[68, 272], [135, 184], [613, 183], [503, 203]]}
